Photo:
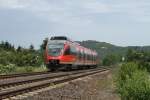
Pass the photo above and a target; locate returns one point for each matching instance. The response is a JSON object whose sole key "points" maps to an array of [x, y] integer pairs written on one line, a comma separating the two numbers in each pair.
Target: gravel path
{"points": [[97, 87]]}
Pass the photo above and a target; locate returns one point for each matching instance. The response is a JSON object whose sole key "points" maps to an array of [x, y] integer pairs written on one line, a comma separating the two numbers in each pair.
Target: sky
{"points": [[120, 22]]}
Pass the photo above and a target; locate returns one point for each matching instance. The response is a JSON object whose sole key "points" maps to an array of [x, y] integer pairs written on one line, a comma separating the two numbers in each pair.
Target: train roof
{"points": [[63, 38]]}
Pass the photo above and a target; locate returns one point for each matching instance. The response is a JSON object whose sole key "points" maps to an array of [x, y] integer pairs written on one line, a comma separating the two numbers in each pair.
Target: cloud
{"points": [[107, 18], [96, 7], [11, 4], [56, 11], [80, 10], [136, 10]]}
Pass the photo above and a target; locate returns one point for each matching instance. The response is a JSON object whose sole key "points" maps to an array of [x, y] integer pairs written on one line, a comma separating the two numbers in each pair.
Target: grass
{"points": [[12, 69]]}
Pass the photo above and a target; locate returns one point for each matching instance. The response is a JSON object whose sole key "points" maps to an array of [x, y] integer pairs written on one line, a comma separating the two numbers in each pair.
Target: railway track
{"points": [[21, 74], [17, 85]]}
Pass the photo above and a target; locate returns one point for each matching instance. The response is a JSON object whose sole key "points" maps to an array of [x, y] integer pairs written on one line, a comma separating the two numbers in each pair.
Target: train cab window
{"points": [[55, 49]]}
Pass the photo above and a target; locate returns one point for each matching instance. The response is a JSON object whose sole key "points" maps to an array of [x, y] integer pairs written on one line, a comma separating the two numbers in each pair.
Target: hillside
{"points": [[104, 48]]}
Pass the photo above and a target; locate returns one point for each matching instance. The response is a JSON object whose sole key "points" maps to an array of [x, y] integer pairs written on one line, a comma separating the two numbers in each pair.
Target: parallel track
{"points": [[21, 75], [31, 83]]}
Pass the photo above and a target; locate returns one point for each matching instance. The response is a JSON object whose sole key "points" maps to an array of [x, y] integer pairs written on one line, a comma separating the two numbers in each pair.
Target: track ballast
{"points": [[17, 85]]}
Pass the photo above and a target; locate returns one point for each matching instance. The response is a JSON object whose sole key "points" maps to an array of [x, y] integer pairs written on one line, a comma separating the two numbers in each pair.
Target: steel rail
{"points": [[35, 78], [21, 74], [44, 83]]}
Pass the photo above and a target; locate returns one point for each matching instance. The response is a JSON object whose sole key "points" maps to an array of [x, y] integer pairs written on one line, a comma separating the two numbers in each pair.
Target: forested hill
{"points": [[104, 48]]}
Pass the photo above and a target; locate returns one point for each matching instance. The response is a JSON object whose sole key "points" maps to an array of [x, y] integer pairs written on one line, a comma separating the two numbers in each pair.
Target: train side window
{"points": [[84, 55], [73, 50], [90, 57], [94, 57], [67, 51], [87, 56], [80, 55]]}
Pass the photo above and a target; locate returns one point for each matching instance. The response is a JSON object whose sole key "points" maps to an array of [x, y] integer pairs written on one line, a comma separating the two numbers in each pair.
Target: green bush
{"points": [[127, 70], [29, 69], [11, 68], [20, 57], [132, 83], [111, 60], [140, 57], [144, 65], [7, 69]]}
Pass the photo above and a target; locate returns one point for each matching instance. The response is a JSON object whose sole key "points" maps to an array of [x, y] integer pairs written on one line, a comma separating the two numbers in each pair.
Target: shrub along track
{"points": [[14, 86]]}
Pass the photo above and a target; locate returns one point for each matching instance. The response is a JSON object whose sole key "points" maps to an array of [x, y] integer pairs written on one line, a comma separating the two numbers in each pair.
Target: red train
{"points": [[61, 52]]}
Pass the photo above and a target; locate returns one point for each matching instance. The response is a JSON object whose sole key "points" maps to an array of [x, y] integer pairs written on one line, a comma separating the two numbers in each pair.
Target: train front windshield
{"points": [[55, 49]]}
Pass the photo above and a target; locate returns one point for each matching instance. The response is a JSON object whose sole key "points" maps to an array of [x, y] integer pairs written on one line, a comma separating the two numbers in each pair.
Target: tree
{"points": [[31, 48], [19, 49], [130, 55], [43, 45], [111, 59], [6, 46]]}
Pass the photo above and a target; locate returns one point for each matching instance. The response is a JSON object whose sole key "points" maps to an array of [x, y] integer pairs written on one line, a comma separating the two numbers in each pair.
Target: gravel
{"points": [[96, 87]]}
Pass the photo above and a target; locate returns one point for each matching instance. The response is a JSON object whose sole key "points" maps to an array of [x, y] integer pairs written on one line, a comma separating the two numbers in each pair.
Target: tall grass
{"points": [[12, 69], [133, 83]]}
